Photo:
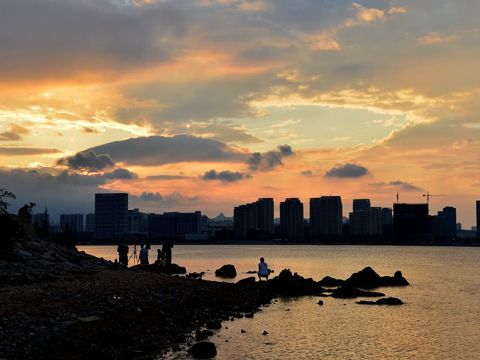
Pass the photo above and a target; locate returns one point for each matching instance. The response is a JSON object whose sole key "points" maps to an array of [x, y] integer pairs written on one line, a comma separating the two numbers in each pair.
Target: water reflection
{"points": [[441, 317]]}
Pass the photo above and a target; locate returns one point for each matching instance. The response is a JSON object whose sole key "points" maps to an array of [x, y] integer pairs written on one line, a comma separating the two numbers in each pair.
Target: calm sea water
{"points": [[440, 320]]}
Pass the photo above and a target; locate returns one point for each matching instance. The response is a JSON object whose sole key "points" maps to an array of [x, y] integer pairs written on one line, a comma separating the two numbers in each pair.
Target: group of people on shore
{"points": [[164, 255]]}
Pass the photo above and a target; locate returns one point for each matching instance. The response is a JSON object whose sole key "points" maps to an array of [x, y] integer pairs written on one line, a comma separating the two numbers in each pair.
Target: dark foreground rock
{"points": [[369, 279], [288, 284], [203, 350], [195, 275], [383, 301], [172, 269], [349, 292], [24, 258], [328, 281], [226, 271]]}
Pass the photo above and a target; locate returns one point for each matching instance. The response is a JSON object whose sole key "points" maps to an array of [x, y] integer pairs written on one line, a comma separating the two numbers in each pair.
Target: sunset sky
{"points": [[206, 104]]}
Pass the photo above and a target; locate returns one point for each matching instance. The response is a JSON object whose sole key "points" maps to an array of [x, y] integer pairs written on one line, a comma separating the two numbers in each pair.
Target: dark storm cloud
{"points": [[160, 150], [225, 176], [121, 174], [20, 151], [397, 184], [347, 171], [87, 160], [83, 35], [269, 160], [172, 199]]}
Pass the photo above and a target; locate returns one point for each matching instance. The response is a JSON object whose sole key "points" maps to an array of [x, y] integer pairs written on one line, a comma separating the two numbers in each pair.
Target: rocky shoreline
{"points": [[81, 307]]}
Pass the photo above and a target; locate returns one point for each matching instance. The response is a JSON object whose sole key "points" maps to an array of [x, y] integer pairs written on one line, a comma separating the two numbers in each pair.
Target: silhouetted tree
{"points": [[4, 194]]}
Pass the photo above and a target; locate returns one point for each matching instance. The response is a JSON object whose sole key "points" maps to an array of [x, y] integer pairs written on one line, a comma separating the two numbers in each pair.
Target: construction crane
{"points": [[428, 196]]}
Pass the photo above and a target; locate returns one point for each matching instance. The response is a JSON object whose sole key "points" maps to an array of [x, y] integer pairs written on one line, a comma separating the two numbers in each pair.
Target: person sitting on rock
{"points": [[263, 269]]}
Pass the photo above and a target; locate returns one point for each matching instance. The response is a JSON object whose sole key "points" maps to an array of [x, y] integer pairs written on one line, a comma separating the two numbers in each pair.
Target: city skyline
{"points": [[207, 104]]}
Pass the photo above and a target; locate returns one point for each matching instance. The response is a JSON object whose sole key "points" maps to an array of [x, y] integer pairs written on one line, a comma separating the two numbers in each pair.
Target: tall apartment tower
{"points": [[265, 215], [110, 215], [478, 218], [72, 222], [326, 216], [361, 217], [291, 219], [447, 223], [90, 222], [257, 216]]}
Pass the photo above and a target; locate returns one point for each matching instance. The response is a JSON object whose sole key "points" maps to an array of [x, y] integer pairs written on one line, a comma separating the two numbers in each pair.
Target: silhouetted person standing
{"points": [[122, 250], [143, 255], [25, 211], [167, 252]]}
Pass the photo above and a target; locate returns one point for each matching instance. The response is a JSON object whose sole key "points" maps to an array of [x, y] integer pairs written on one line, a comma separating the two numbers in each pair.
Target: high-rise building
{"points": [[387, 216], [174, 224], [71, 222], [90, 222], [291, 219], [410, 222], [265, 215], [361, 204], [137, 222], [376, 223], [478, 218], [446, 224], [189, 223], [360, 219], [111, 215], [326, 216], [256, 216]]}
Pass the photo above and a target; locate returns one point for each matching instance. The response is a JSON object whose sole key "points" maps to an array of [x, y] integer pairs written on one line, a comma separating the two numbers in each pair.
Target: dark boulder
{"points": [[365, 279], [207, 332], [226, 271], [383, 301], [214, 325], [396, 280], [155, 268], [203, 350], [175, 269], [199, 335], [369, 279], [328, 281], [250, 281], [349, 292], [195, 275], [288, 284]]}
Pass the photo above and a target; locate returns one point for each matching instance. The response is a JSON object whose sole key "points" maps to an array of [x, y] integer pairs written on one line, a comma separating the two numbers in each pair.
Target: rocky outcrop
{"points": [[369, 279], [383, 301], [195, 275], [288, 284], [24, 258], [203, 350], [248, 282], [328, 281], [226, 271], [171, 269]]}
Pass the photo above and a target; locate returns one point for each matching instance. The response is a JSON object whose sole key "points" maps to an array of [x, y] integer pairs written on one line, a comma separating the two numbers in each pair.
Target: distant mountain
{"points": [[222, 217]]}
